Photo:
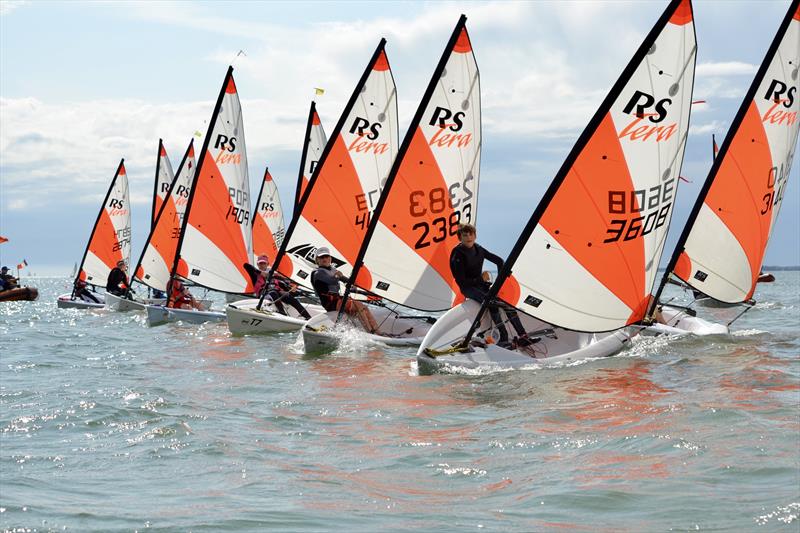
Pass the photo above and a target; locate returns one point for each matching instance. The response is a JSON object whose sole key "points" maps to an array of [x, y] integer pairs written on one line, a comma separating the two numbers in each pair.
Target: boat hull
{"points": [[556, 346], [675, 321], [158, 315], [65, 301], [321, 333], [19, 294], [117, 303], [245, 319]]}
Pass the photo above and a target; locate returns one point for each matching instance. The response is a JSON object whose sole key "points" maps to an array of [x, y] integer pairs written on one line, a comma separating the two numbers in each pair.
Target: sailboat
{"points": [[268, 224], [215, 236], [585, 263], [721, 250], [109, 243], [153, 267], [431, 188], [336, 201], [254, 316]]}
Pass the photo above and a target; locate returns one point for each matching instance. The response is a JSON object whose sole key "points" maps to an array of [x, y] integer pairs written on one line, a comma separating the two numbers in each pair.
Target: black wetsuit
{"points": [[466, 265], [278, 292], [115, 278], [326, 285]]}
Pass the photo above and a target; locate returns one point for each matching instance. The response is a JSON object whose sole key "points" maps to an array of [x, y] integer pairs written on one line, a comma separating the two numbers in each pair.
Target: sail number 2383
{"points": [[440, 201]]}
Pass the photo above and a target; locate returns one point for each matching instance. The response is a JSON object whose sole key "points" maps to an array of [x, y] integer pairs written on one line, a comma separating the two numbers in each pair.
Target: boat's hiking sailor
{"points": [[180, 297], [466, 265], [7, 281], [325, 280], [83, 293], [117, 283], [279, 290]]}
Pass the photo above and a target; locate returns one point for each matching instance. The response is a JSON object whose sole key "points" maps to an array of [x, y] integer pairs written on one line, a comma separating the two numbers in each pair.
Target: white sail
{"points": [[434, 188], [163, 180], [268, 225], [588, 258], [735, 215], [158, 255], [216, 237], [110, 241], [347, 182]]}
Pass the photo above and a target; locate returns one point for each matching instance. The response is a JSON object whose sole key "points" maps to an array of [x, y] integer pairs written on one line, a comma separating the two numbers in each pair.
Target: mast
{"points": [[376, 213], [155, 184], [720, 156], [334, 135]]}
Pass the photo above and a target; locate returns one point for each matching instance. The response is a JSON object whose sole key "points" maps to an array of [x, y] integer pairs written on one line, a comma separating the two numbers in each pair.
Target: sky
{"points": [[83, 84]]}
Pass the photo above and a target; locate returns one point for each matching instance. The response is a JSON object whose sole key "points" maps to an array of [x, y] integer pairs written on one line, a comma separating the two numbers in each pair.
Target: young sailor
{"points": [[83, 293], [180, 297], [279, 291], [325, 280], [117, 283], [466, 265]]}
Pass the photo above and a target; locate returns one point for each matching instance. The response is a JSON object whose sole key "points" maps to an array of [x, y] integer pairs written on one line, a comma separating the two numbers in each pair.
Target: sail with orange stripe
{"points": [[268, 225], [163, 180], [216, 235], [158, 254], [313, 146], [110, 241], [722, 248], [335, 207], [588, 257], [432, 188]]}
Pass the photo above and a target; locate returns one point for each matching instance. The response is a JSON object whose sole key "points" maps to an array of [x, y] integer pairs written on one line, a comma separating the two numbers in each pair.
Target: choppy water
{"points": [[108, 425]]}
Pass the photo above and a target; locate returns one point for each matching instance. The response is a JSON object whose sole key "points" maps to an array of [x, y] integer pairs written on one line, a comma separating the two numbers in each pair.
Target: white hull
{"points": [[119, 304], [65, 301], [557, 346], [674, 321], [245, 319], [716, 304], [321, 333], [158, 314]]}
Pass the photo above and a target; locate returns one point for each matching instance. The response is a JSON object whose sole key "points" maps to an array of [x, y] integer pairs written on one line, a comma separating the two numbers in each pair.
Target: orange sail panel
{"points": [[110, 240], [722, 253], [216, 239], [434, 187]]}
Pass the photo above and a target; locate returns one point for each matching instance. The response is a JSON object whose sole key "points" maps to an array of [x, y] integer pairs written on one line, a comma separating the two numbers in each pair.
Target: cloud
{"points": [[708, 128], [725, 68]]}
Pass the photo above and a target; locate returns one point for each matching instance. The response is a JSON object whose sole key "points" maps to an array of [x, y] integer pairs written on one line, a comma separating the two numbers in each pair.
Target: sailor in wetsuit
{"points": [[466, 265], [117, 283], [82, 292], [325, 280], [279, 289]]}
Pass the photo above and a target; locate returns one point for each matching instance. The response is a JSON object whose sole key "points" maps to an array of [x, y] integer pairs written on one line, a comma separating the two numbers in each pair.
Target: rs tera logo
{"points": [[361, 124], [642, 102]]}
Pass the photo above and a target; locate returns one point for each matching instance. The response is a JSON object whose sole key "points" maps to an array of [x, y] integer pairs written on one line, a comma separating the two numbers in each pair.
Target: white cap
{"points": [[322, 250]]}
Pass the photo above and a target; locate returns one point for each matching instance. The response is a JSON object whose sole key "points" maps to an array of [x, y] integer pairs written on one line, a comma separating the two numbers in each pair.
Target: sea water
{"points": [[109, 425]]}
